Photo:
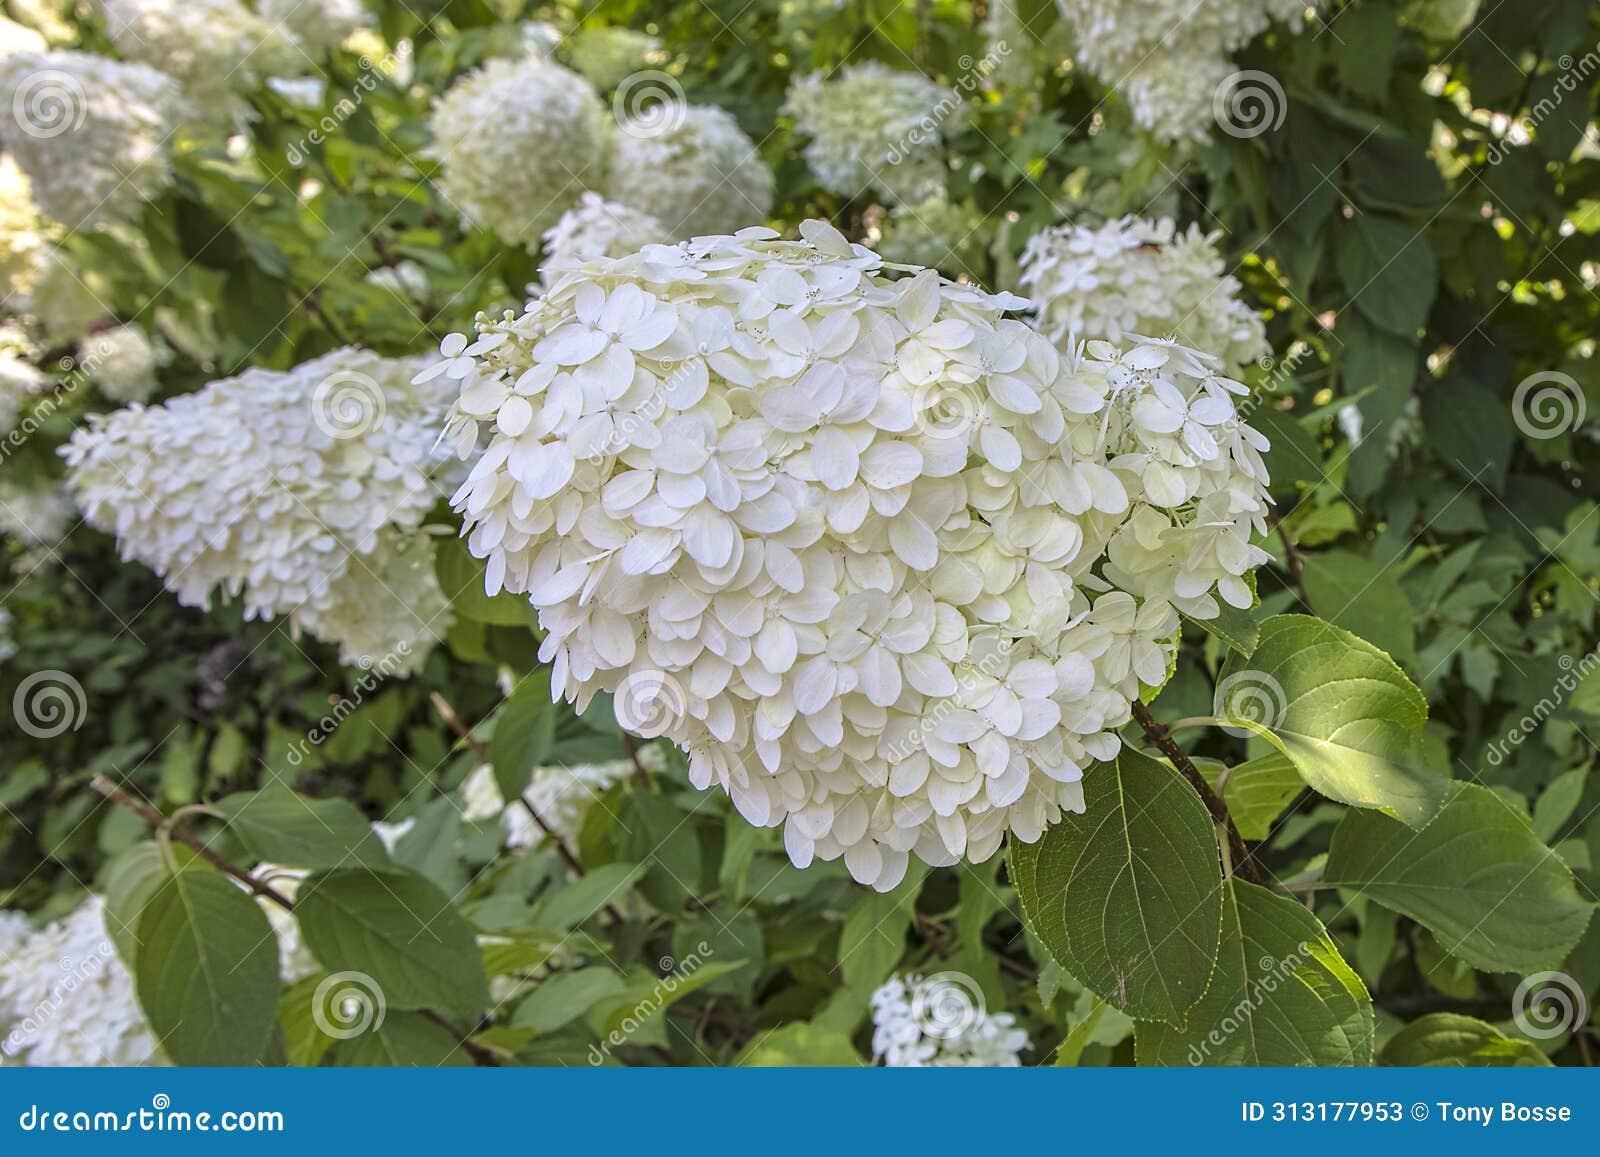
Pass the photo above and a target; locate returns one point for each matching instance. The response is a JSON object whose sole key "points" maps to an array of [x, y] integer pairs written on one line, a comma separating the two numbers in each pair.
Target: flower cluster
{"points": [[90, 132], [946, 235], [21, 233], [888, 565], [37, 514], [301, 490], [595, 227], [560, 795], [316, 25], [607, 55], [697, 173], [940, 1022], [1136, 276], [1168, 57], [518, 141], [123, 362], [873, 127], [67, 1000]]}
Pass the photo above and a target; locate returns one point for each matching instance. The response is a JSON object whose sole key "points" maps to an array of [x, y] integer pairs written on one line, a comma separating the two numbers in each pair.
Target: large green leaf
{"points": [[404, 1039], [1255, 792], [1282, 995], [566, 996], [400, 931], [461, 577], [207, 970], [524, 732], [296, 831], [1477, 877], [1128, 895], [1389, 270], [1346, 716], [132, 878], [1448, 1039]]}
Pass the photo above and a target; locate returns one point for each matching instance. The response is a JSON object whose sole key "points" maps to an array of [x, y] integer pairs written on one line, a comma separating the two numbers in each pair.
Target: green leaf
{"points": [[304, 1040], [648, 999], [1450, 1040], [296, 831], [1557, 802], [403, 1040], [799, 1045], [1353, 592], [1255, 792], [132, 878], [461, 577], [400, 931], [1389, 270], [207, 973], [1282, 995], [1339, 708], [566, 996], [581, 899], [1127, 896], [524, 731], [1476, 877]]}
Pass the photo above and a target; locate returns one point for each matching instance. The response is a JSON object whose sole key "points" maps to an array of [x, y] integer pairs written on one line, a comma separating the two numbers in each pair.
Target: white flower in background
{"points": [[38, 515], [1022, 47], [1167, 57], [62, 299], [20, 379], [301, 491], [214, 49], [940, 1022], [15, 929], [90, 132], [596, 227], [47, 18], [8, 648], [873, 127], [68, 999], [15, 38], [1135, 276], [561, 795], [405, 277], [518, 141], [697, 174], [317, 26], [939, 233], [122, 362], [839, 537], [1402, 432], [294, 958], [22, 234], [608, 55]]}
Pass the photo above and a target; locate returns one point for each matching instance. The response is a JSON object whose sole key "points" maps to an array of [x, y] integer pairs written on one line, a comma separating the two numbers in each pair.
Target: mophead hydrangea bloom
{"points": [[691, 167], [66, 999], [122, 361], [299, 491], [941, 1021], [595, 227], [884, 562], [316, 25], [62, 299], [1168, 57], [1136, 276], [875, 128], [517, 142], [90, 132]]}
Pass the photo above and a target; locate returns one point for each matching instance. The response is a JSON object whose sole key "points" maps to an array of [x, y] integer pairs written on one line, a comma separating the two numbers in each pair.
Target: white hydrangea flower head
{"points": [[1135, 276], [1167, 57], [561, 795], [89, 131], [122, 362], [874, 127], [36, 514], [318, 26], [20, 380], [607, 55], [595, 227], [61, 298], [22, 234], [691, 168], [940, 1022], [1022, 49], [517, 142], [301, 491], [939, 233], [839, 537], [70, 1001], [214, 49], [15, 38], [48, 18]]}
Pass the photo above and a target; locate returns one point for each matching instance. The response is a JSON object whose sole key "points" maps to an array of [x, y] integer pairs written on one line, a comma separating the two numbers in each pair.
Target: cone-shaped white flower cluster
{"points": [[90, 132], [693, 170], [940, 1022], [595, 227], [874, 127], [300, 490], [67, 1000], [886, 564], [518, 141], [1135, 276], [1168, 57], [122, 361]]}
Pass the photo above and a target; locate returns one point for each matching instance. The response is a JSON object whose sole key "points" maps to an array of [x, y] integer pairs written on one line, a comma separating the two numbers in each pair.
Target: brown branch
{"points": [[1292, 558], [1160, 736], [164, 824], [456, 724]]}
